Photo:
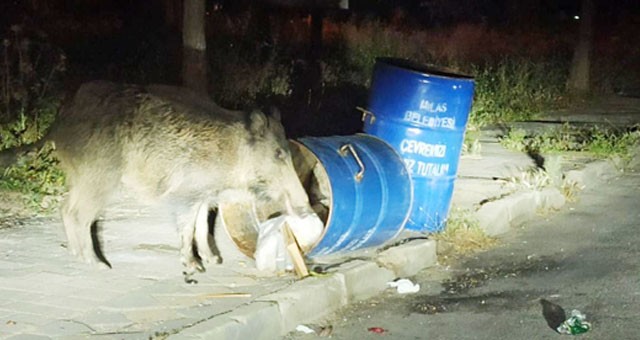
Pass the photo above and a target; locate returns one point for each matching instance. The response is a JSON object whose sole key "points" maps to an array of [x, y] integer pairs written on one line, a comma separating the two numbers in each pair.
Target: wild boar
{"points": [[168, 146]]}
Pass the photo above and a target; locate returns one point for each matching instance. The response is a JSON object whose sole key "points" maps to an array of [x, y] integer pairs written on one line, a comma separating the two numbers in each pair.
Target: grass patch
{"points": [[515, 89], [29, 127], [29, 100], [37, 176], [597, 141], [462, 236], [532, 178], [570, 190]]}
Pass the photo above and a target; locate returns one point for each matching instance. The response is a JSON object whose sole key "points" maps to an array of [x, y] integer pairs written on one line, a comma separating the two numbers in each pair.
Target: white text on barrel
{"points": [[426, 169], [430, 121], [409, 146], [432, 107]]}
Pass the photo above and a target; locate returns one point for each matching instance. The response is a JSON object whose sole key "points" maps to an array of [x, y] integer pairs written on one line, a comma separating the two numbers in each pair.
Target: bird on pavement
{"points": [[553, 313]]}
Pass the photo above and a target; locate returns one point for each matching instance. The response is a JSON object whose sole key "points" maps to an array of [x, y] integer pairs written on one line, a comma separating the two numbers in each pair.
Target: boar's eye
{"points": [[281, 154]]}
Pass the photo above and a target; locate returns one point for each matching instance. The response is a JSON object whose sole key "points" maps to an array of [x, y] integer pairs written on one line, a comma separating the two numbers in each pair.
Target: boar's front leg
{"points": [[79, 211], [186, 219]]}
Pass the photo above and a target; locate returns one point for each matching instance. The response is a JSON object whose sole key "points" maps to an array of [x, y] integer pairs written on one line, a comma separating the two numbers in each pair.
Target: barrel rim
{"points": [[327, 223], [314, 251], [421, 69]]}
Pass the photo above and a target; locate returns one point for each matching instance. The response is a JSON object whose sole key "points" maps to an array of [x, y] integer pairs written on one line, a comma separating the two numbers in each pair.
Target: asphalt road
{"points": [[585, 257]]}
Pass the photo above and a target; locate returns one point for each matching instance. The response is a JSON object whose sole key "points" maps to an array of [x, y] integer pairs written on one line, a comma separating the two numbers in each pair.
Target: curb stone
{"points": [[522, 207], [497, 217], [358, 289], [597, 169], [409, 258], [491, 217], [550, 199], [308, 300], [257, 320]]}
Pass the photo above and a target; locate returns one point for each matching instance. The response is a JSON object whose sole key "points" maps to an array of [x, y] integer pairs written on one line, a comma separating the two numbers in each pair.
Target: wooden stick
{"points": [[294, 251], [226, 295]]}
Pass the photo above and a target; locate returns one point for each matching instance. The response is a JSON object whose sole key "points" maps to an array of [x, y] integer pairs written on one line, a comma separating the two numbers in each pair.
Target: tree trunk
{"points": [[194, 46], [578, 81]]}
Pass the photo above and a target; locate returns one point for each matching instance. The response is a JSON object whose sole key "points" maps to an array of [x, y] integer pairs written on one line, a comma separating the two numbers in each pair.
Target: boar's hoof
{"points": [[188, 278], [192, 266], [208, 256], [94, 260]]}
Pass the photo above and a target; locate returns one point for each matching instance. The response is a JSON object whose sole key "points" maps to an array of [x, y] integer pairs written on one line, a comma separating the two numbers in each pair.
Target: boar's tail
{"points": [[10, 156]]}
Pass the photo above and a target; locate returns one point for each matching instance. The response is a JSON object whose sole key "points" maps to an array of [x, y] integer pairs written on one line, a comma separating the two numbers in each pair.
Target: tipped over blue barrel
{"points": [[422, 112], [364, 184]]}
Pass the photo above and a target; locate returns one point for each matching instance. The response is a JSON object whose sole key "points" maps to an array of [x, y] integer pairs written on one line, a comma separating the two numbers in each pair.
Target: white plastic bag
{"points": [[307, 229], [271, 252], [404, 286]]}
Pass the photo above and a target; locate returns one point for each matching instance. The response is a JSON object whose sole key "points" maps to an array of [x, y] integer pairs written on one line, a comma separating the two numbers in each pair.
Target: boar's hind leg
{"points": [[202, 236], [79, 211]]}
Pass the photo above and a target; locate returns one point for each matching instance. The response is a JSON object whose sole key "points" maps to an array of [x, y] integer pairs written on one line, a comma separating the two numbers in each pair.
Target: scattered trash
{"points": [[377, 330], [556, 318], [304, 329], [325, 331], [575, 325], [319, 330], [319, 273], [271, 250], [307, 229], [404, 286]]}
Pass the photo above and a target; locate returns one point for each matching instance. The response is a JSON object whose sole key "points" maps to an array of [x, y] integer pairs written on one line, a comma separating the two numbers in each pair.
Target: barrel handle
{"points": [[366, 113], [350, 148]]}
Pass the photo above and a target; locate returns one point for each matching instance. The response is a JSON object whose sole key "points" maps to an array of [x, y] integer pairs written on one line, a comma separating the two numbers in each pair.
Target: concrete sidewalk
{"points": [[45, 293]]}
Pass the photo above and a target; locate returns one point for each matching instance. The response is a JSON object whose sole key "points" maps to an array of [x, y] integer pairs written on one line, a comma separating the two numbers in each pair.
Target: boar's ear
{"points": [[257, 122]]}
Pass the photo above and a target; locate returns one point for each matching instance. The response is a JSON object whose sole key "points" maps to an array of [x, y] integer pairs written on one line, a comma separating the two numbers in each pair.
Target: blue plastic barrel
{"points": [[422, 112], [369, 191]]}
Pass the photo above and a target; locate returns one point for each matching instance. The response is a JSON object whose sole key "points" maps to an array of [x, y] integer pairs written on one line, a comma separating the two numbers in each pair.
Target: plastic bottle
{"points": [[574, 325]]}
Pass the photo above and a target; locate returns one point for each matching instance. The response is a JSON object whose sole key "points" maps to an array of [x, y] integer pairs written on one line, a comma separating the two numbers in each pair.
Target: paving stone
{"points": [[21, 323], [40, 311], [206, 305], [205, 311], [173, 326], [28, 337], [60, 328], [132, 301], [468, 192], [101, 320], [148, 316], [122, 335], [11, 295]]}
